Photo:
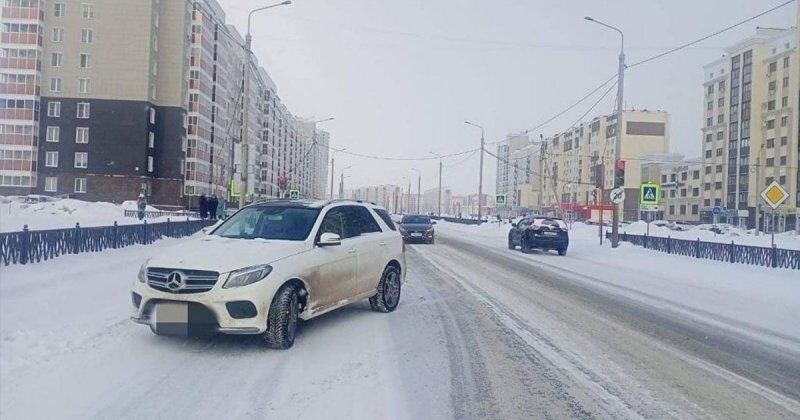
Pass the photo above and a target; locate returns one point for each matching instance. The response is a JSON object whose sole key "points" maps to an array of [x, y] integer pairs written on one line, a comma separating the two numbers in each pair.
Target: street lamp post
{"points": [[341, 182], [419, 186], [248, 42], [480, 175], [618, 140], [439, 210], [333, 155]]}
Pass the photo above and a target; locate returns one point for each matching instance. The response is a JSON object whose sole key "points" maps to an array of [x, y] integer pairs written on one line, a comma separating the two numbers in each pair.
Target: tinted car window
{"points": [[269, 222], [384, 215], [332, 223], [358, 220], [417, 220]]}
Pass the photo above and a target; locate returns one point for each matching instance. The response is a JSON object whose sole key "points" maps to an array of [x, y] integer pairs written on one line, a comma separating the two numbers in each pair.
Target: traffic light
{"points": [[619, 174]]}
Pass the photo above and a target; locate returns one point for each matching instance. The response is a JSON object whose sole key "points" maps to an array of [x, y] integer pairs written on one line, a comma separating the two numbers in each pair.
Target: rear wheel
{"points": [[525, 246], [562, 251], [388, 295], [282, 319], [511, 243]]}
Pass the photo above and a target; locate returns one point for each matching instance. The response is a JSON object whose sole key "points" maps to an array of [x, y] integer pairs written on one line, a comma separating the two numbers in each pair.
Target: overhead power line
{"points": [[688, 44]]}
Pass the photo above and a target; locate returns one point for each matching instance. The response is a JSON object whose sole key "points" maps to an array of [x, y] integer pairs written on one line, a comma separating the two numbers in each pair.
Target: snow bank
{"points": [[64, 213]]}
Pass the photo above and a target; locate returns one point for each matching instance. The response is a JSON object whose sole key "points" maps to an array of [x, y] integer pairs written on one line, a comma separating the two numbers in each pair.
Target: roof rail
{"points": [[348, 200]]}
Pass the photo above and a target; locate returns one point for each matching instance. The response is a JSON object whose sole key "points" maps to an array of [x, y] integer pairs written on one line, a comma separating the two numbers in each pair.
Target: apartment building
{"points": [[105, 100], [389, 196], [431, 197], [681, 186], [750, 130], [573, 162], [512, 165]]}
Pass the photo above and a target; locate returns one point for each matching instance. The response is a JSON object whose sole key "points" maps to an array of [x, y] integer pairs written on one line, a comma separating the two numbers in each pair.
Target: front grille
{"points": [[194, 281]]}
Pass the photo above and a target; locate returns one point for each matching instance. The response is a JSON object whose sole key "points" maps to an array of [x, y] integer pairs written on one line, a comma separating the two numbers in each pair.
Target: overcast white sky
{"points": [[400, 77]]}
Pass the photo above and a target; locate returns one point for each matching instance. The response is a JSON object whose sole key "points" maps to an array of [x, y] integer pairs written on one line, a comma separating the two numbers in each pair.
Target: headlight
{"points": [[143, 272], [245, 276]]}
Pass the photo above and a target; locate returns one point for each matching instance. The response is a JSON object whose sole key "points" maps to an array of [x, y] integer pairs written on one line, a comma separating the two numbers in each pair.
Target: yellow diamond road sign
{"points": [[774, 195]]}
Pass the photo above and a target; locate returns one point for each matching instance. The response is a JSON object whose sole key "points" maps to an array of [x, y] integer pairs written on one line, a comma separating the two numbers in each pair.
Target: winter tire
{"points": [[562, 251], [525, 246], [388, 295], [282, 319], [511, 243]]}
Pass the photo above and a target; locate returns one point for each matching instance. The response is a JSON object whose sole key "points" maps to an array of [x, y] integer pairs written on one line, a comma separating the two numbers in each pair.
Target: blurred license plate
{"points": [[416, 234], [550, 234], [172, 318]]}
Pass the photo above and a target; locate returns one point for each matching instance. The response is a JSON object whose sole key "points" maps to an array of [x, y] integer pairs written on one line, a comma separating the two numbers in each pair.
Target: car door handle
{"points": [[351, 251]]}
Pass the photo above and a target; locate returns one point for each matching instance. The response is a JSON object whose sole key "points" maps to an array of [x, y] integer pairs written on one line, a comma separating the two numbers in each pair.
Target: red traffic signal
{"points": [[621, 165]]}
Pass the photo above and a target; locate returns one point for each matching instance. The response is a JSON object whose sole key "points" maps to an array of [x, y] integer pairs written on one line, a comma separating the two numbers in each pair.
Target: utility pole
{"points": [[419, 187], [248, 42], [439, 212], [332, 176], [618, 140], [480, 175], [758, 186], [408, 204]]}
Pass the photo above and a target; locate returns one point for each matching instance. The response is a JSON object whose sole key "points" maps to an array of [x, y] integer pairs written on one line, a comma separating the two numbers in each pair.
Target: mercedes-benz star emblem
{"points": [[176, 281]]}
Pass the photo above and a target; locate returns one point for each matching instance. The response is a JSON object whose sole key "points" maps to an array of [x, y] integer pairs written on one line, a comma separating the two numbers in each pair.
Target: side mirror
{"points": [[433, 222], [329, 239], [513, 225]]}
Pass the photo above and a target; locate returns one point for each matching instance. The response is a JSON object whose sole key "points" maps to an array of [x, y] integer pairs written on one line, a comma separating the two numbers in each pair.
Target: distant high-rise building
{"points": [[512, 166]]}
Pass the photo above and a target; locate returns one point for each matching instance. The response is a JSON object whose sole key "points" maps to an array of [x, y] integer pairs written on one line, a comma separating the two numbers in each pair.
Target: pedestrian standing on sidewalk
{"points": [[202, 203], [141, 206], [212, 207], [221, 209]]}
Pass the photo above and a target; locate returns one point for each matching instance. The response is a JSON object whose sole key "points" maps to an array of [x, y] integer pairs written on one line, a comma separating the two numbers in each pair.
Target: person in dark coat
{"points": [[141, 206], [212, 207], [202, 203]]}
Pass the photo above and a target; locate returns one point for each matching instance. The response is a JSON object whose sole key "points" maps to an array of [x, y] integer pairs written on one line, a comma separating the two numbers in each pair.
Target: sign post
{"points": [[774, 195]]}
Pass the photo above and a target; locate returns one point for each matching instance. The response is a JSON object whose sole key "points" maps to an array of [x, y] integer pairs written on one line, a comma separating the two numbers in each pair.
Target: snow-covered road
{"points": [[481, 332]]}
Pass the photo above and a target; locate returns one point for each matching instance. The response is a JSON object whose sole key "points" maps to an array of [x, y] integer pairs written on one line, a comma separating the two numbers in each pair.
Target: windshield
{"points": [[270, 222], [416, 220]]}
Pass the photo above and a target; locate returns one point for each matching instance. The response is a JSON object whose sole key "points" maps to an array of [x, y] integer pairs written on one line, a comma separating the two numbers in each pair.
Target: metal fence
{"points": [[32, 246], [150, 214], [718, 251]]}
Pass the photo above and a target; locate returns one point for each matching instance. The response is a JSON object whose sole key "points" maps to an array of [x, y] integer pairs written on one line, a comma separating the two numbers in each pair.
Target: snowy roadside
{"points": [[60, 214], [763, 298]]}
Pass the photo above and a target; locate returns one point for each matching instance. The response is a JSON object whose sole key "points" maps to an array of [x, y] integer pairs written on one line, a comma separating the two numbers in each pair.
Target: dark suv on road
{"points": [[417, 228], [543, 233]]}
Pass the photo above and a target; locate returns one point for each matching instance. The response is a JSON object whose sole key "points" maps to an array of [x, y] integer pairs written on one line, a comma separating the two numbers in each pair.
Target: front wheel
{"points": [[282, 319], [525, 246], [562, 251], [511, 243], [388, 295]]}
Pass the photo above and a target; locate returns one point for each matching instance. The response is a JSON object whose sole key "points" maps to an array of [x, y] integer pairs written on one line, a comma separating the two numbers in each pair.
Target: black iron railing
{"points": [[729, 252], [150, 214], [32, 246]]}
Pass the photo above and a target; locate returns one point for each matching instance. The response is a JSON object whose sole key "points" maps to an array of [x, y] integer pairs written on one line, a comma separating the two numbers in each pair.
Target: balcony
{"points": [[19, 88], [20, 63], [16, 165], [23, 13], [17, 114], [17, 139], [21, 38]]}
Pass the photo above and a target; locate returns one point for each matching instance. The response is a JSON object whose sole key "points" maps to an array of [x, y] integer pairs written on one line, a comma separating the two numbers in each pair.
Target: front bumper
{"points": [[208, 310], [423, 236]]}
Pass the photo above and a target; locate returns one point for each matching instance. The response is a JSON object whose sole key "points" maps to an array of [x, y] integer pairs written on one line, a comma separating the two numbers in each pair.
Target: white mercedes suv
{"points": [[270, 264]]}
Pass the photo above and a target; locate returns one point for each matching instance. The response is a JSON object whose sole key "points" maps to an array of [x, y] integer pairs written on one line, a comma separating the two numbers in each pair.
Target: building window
{"points": [[719, 169], [56, 59], [719, 135], [156, 20], [53, 134], [83, 110], [770, 124], [709, 121], [88, 11], [786, 62], [54, 109], [708, 170], [51, 159], [59, 9], [671, 193], [696, 174], [155, 68], [149, 164], [55, 84], [683, 208], [80, 185], [770, 161], [152, 115], [786, 82], [153, 91], [721, 102], [151, 139], [769, 180], [783, 161], [773, 66], [87, 36], [81, 160], [695, 192], [155, 42], [710, 105], [782, 180], [709, 137], [86, 60], [84, 85], [785, 102], [722, 86], [772, 87], [771, 105], [707, 202], [710, 89], [720, 118], [783, 140], [770, 143], [58, 34], [82, 135], [718, 185], [708, 154], [784, 121], [683, 192], [719, 151], [671, 209], [663, 179], [51, 184]]}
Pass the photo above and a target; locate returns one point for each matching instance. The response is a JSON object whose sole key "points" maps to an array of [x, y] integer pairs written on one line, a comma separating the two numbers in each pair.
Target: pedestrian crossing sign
{"points": [[500, 199], [649, 194], [294, 194]]}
